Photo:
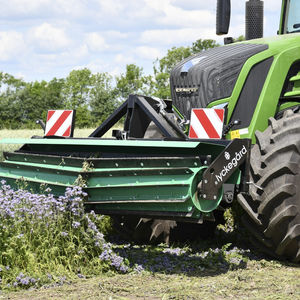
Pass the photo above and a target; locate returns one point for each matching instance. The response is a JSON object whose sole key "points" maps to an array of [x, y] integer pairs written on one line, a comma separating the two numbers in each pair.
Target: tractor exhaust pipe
{"points": [[254, 19]]}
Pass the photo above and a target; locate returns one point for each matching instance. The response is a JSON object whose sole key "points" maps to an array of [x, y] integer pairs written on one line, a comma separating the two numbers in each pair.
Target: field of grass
{"points": [[28, 133], [226, 267], [260, 280]]}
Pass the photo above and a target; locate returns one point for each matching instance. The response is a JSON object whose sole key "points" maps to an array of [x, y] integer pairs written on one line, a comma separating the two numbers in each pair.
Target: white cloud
{"points": [[195, 19], [52, 36], [176, 36], [96, 42], [114, 34], [116, 71], [49, 38], [148, 53], [20, 75], [176, 16], [193, 4], [79, 52], [123, 59], [41, 8], [70, 56], [272, 6], [22, 7], [69, 7], [11, 45], [95, 66], [112, 8]]}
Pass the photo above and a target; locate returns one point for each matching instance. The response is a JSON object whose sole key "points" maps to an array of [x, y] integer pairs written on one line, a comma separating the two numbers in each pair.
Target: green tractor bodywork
{"points": [[280, 89], [166, 175]]}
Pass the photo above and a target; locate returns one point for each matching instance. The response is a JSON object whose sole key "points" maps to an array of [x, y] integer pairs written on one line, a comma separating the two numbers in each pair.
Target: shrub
{"points": [[44, 239]]}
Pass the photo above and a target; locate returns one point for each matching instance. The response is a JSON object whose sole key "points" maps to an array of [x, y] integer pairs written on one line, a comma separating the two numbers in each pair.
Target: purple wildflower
{"points": [[75, 224]]}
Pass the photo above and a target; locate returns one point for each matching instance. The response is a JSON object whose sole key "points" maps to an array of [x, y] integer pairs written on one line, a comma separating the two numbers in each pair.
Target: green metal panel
{"points": [[285, 50], [109, 147], [87, 142], [134, 175], [287, 105], [296, 87]]}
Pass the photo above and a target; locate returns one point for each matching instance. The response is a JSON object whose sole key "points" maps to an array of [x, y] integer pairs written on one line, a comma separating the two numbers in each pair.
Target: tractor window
{"points": [[293, 16]]}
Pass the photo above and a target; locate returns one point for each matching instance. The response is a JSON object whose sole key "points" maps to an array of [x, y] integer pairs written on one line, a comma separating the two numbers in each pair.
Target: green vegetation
{"points": [[44, 238], [51, 242], [202, 270], [259, 280]]}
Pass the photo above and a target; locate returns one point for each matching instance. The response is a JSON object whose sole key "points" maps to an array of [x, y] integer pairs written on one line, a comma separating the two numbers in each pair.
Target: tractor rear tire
{"points": [[272, 206]]}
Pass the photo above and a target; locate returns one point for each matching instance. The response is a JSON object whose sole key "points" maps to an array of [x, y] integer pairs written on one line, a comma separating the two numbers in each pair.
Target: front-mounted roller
{"points": [[179, 180]]}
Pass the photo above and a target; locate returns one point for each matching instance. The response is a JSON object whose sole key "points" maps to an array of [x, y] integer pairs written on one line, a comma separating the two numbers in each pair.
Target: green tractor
{"points": [[230, 133]]}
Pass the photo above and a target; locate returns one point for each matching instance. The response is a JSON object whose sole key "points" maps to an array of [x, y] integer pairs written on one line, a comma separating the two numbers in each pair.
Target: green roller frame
{"points": [[147, 178]]}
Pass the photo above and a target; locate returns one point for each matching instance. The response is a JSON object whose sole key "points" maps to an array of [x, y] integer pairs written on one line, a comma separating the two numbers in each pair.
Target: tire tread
{"points": [[272, 215]]}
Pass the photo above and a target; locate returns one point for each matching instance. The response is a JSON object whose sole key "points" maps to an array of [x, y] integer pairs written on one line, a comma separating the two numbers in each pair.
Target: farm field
{"points": [[225, 267], [263, 279], [28, 133]]}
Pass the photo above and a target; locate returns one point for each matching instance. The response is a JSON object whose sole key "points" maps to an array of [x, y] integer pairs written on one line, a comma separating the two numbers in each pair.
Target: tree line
{"points": [[94, 95]]}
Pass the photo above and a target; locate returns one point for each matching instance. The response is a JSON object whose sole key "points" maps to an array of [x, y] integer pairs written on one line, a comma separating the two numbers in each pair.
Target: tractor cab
{"points": [[290, 17]]}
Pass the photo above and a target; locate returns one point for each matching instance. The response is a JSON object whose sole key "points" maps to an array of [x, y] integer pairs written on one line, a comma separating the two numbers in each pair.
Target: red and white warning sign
{"points": [[206, 123], [59, 123]]}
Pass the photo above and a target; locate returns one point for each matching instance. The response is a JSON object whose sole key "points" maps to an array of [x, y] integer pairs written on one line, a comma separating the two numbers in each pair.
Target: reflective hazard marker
{"points": [[60, 123], [206, 123]]}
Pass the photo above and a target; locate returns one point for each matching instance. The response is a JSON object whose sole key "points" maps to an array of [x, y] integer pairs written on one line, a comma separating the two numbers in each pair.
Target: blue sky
{"points": [[42, 39]]}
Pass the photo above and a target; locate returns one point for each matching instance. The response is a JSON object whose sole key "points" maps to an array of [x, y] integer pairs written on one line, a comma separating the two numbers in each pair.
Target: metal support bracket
{"points": [[140, 111], [235, 155]]}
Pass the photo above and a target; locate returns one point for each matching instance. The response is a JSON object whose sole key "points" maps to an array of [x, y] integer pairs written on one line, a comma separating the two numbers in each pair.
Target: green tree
{"points": [[83, 117], [76, 94], [133, 82], [174, 55], [103, 97], [12, 90], [202, 45], [35, 99], [77, 87], [10, 83], [53, 94], [241, 38], [34, 102], [92, 95], [10, 110]]}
